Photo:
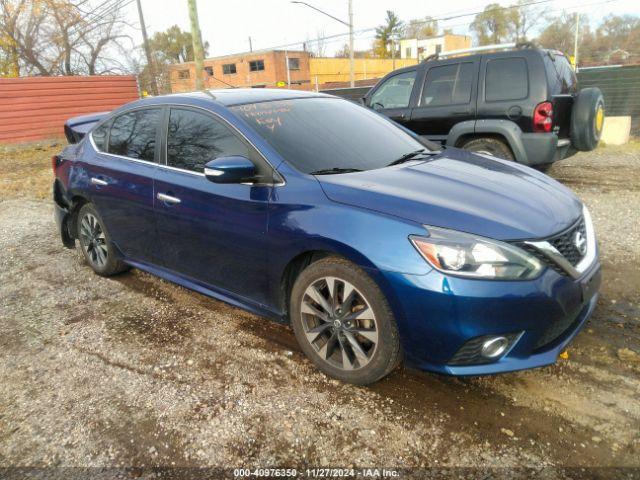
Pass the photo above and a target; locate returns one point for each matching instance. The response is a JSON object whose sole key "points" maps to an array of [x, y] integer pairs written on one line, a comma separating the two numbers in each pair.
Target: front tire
{"points": [[343, 322], [95, 243], [489, 146]]}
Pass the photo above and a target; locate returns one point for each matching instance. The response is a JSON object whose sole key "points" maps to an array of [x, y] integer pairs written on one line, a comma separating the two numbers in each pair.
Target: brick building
{"points": [[259, 69]]}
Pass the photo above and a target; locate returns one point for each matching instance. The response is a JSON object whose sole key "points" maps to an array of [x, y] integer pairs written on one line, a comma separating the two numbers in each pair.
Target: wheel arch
{"points": [[303, 258], [504, 130]]}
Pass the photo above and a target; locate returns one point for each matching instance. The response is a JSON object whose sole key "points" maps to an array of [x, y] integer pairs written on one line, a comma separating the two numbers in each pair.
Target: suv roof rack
{"points": [[484, 48]]}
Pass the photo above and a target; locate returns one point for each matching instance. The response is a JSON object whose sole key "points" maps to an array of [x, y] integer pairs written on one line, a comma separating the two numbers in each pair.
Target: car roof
{"points": [[239, 96]]}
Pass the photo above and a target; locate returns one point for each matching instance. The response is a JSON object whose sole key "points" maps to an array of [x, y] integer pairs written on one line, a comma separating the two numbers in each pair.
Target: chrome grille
{"points": [[565, 243], [564, 246]]}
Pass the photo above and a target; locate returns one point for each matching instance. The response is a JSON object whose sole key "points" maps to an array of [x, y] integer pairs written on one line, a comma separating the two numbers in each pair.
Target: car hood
{"points": [[462, 191]]}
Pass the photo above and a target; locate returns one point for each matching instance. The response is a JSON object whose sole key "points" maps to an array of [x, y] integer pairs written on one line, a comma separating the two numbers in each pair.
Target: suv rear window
{"points": [[560, 74], [506, 79]]}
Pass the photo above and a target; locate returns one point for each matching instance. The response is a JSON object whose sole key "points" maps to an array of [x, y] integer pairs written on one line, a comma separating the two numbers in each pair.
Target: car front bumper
{"points": [[438, 314]]}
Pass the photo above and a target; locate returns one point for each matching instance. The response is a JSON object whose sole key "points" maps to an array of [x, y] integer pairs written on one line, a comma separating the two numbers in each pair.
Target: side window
{"points": [[506, 79], [395, 92], [133, 134], [99, 136], [448, 85], [194, 138]]}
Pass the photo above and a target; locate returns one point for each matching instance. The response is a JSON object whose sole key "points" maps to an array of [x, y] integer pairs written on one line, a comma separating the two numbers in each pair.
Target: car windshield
{"points": [[329, 135]]}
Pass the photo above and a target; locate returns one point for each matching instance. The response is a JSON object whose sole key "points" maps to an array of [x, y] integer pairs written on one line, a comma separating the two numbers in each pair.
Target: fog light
{"points": [[494, 347]]}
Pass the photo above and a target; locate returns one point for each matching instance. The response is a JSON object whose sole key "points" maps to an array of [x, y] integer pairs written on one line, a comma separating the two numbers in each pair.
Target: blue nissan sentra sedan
{"points": [[377, 246]]}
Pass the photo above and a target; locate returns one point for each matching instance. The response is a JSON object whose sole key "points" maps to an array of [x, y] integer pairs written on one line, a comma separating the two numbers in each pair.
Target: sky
{"points": [[227, 25]]}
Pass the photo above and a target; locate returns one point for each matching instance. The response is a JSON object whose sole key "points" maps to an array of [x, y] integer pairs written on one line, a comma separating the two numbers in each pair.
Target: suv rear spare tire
{"points": [[587, 119]]}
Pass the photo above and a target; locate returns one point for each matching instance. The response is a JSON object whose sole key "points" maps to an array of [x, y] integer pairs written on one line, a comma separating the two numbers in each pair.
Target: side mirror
{"points": [[233, 169]]}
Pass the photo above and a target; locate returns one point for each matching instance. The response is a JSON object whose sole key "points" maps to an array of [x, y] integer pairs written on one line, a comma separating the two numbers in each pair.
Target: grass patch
{"points": [[25, 169]]}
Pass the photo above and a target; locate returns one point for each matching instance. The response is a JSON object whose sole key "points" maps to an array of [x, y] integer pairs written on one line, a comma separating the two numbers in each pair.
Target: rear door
{"points": [[505, 90], [214, 234], [446, 97], [121, 180], [392, 97]]}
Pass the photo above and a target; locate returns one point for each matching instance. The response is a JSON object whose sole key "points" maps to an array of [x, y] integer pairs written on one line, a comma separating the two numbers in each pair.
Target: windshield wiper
{"points": [[334, 170], [408, 156]]}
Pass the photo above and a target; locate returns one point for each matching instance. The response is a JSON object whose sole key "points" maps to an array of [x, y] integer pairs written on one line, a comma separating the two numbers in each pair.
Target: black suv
{"points": [[520, 103]]}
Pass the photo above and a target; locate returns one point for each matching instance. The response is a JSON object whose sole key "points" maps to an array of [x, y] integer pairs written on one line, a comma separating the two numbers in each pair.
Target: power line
{"points": [[444, 17]]}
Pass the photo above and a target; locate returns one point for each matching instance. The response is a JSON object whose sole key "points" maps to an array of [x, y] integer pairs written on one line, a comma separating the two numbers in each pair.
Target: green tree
{"points": [[173, 46], [492, 25], [522, 19], [421, 28], [559, 34], [390, 32]]}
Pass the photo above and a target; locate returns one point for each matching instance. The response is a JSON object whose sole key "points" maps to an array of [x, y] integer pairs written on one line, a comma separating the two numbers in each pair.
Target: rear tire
{"points": [[95, 243], [343, 323], [587, 119], [544, 167], [489, 146]]}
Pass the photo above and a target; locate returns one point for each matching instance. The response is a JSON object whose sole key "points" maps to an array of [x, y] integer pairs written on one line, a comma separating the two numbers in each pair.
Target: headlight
{"points": [[467, 255]]}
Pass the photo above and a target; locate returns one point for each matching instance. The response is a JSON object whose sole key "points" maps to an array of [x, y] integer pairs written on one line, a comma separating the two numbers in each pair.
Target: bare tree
{"points": [[63, 37], [318, 46]]}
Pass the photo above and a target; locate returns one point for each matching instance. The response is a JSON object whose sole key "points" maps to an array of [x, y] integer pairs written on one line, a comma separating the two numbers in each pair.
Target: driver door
{"points": [[392, 97], [213, 234]]}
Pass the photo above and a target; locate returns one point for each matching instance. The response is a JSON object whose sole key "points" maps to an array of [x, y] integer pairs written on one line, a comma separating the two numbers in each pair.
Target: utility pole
{"points": [[286, 61], [250, 44], [575, 43], [196, 38], [352, 79], [147, 51]]}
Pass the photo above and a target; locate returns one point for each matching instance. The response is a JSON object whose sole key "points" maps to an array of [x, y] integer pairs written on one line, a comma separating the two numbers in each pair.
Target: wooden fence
{"points": [[34, 108]]}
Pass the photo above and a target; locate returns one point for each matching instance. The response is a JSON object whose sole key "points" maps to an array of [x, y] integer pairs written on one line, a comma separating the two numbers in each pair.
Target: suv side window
{"points": [[448, 85], [395, 92], [194, 138], [506, 79], [133, 134]]}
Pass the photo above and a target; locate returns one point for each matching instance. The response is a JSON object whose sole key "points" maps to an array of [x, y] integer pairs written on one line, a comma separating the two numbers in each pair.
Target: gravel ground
{"points": [[134, 371]]}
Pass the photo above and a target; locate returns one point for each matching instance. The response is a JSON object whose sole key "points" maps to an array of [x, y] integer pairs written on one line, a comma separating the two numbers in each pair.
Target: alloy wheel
{"points": [[93, 240], [339, 323]]}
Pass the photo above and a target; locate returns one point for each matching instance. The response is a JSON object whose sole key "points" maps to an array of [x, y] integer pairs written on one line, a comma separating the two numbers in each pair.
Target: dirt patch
{"points": [[136, 372]]}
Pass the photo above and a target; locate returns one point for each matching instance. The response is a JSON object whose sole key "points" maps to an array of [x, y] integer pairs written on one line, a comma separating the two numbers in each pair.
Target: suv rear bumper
{"points": [[542, 148]]}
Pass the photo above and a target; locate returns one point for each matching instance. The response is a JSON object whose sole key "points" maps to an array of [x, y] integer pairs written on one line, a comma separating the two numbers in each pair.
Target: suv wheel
{"points": [[343, 322], [95, 243], [489, 146]]}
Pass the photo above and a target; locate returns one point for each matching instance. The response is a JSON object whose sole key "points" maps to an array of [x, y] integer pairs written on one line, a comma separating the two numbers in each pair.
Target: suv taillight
{"points": [[543, 117], [55, 160]]}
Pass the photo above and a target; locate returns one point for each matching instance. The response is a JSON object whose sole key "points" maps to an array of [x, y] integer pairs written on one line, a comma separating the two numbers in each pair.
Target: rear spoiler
{"points": [[77, 127]]}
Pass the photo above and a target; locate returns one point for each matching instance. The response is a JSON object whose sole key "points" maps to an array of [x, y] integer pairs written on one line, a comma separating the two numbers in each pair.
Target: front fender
{"points": [[302, 219]]}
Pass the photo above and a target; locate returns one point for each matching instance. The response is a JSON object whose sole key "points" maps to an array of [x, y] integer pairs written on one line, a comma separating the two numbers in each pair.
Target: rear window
{"points": [[133, 134], [506, 79], [99, 136], [560, 74], [448, 85]]}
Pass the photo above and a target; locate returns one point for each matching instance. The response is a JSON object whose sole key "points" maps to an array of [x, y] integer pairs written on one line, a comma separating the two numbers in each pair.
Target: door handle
{"points": [[98, 181], [168, 198]]}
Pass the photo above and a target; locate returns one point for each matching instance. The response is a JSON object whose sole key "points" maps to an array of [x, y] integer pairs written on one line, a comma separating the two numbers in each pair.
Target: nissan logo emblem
{"points": [[580, 242]]}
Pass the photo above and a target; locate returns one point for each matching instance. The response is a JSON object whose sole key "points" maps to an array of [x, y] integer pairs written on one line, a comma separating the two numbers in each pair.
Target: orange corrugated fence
{"points": [[34, 108]]}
